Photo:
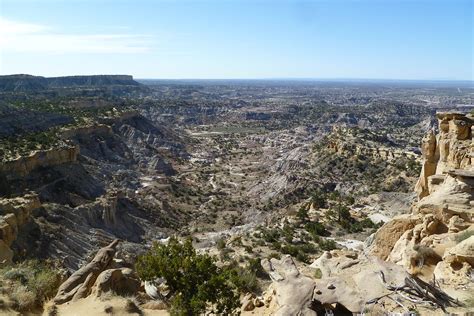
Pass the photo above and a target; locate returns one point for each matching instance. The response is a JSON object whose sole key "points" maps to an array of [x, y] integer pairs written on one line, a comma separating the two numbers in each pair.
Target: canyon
{"points": [[329, 189]]}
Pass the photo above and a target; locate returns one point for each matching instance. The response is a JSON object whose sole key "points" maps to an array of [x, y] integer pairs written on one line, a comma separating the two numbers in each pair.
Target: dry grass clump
{"points": [[28, 284]]}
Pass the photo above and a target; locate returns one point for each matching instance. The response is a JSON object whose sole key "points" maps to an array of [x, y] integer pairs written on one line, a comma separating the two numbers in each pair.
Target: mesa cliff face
{"points": [[14, 213], [22, 166], [37, 83]]}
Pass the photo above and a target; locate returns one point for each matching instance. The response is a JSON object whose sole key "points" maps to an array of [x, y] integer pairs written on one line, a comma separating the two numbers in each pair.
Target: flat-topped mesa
{"points": [[95, 80], [452, 148], [38, 83]]}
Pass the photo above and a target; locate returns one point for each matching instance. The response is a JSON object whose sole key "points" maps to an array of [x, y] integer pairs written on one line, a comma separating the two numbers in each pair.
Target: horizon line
{"points": [[256, 78], [309, 79]]}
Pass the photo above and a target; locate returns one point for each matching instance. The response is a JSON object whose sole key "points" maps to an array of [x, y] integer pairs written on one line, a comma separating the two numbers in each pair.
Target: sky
{"points": [[225, 39]]}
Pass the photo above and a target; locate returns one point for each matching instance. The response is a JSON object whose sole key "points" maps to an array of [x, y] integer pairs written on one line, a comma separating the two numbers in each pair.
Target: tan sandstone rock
{"points": [[388, 235], [14, 213], [79, 284], [294, 291], [121, 281]]}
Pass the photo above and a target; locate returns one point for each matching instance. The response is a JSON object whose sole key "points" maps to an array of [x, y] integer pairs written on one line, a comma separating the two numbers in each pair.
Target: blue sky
{"points": [[386, 39]]}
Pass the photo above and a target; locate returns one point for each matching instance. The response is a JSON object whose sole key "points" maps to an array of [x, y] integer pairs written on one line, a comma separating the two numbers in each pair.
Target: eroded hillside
{"points": [[250, 172]]}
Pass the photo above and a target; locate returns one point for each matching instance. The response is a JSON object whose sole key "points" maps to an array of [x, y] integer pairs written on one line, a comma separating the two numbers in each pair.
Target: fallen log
{"points": [[430, 292], [424, 292]]}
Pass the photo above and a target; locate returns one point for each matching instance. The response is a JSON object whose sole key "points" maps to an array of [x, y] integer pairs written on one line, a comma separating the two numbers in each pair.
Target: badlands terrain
{"points": [[325, 198]]}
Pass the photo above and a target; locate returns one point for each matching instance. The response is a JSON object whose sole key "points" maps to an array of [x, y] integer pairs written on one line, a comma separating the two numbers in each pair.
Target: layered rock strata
{"points": [[14, 213], [22, 166]]}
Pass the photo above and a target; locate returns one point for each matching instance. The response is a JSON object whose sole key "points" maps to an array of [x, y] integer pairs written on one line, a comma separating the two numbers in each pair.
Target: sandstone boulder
{"points": [[79, 284], [297, 294], [294, 291], [121, 281], [388, 235], [248, 302], [462, 252]]}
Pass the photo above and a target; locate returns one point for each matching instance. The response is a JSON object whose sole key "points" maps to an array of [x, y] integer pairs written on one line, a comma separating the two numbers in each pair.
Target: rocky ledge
{"points": [[14, 213], [22, 166]]}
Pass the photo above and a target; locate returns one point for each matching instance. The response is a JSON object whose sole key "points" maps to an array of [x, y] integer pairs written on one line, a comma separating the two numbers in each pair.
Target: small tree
{"points": [[302, 214], [316, 229], [343, 213], [194, 280], [318, 199]]}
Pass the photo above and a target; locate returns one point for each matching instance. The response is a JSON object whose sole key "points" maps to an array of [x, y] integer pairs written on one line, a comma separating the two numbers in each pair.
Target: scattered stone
{"points": [[108, 309], [258, 302], [155, 305], [248, 302], [131, 307]]}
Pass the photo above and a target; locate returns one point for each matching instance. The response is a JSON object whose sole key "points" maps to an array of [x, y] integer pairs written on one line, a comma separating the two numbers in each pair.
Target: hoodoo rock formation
{"points": [[451, 149]]}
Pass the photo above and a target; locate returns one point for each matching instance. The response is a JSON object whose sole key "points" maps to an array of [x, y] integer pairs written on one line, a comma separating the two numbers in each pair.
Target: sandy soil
{"points": [[93, 306]]}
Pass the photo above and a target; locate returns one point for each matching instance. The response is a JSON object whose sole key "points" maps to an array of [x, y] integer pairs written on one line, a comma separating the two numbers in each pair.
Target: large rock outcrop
{"points": [[443, 218], [14, 213], [451, 149], [434, 242], [294, 291], [105, 285], [349, 282], [346, 142], [22, 166], [80, 283]]}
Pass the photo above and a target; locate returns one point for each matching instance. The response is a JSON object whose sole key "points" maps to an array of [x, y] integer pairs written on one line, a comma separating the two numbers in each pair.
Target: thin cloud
{"points": [[23, 37]]}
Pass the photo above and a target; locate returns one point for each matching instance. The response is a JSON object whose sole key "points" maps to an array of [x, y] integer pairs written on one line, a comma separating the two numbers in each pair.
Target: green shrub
{"points": [[316, 229], [195, 281], [318, 274], [244, 279], [274, 255], [299, 251], [221, 244], [255, 266], [318, 198], [248, 249], [302, 214], [327, 244], [343, 214], [271, 235], [288, 232], [23, 299]]}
